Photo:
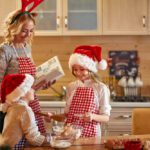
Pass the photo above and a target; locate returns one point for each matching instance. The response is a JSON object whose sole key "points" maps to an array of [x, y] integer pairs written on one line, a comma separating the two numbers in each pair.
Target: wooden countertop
{"points": [[95, 143], [80, 144]]}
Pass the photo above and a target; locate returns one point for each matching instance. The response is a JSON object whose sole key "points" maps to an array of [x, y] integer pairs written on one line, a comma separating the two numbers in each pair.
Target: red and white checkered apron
{"points": [[26, 66], [82, 102]]}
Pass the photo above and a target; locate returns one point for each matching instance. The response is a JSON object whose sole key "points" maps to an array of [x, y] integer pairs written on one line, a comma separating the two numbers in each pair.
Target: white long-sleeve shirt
{"points": [[101, 97], [19, 121]]}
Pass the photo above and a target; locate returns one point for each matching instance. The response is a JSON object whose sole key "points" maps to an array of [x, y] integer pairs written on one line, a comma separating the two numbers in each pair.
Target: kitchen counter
{"points": [[56, 101], [113, 104], [95, 143], [80, 144], [130, 104], [53, 104]]}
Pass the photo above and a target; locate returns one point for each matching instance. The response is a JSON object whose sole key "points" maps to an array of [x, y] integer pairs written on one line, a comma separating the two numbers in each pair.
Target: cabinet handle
{"points": [[125, 134], [125, 116], [144, 21], [58, 21], [66, 21]]}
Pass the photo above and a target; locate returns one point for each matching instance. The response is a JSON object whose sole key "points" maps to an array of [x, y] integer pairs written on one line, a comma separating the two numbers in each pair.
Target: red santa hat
{"points": [[15, 86], [89, 57]]}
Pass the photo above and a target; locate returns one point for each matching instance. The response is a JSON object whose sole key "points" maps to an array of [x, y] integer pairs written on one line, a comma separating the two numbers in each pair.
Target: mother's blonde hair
{"points": [[13, 25]]}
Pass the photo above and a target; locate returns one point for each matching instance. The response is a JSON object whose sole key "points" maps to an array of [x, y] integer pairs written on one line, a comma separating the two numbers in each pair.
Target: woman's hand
{"points": [[39, 85], [46, 85], [43, 85]]}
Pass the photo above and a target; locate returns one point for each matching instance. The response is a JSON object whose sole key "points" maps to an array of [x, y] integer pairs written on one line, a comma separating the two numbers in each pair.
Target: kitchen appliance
{"points": [[132, 86]]}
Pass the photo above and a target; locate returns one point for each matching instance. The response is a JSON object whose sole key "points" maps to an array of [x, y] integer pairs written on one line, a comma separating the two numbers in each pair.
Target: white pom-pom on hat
{"points": [[89, 57], [102, 65]]}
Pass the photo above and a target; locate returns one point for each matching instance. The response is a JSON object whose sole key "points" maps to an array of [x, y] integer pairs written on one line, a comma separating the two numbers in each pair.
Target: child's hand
{"points": [[48, 138], [87, 117], [48, 117]]}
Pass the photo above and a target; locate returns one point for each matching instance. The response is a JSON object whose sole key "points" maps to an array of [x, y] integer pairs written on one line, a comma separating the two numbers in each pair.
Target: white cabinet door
{"points": [[125, 17], [49, 19], [69, 17], [82, 17], [6, 6]]}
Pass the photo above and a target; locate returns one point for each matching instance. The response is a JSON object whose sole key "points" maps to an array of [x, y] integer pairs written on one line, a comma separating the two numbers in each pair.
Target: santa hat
{"points": [[15, 86], [89, 57]]}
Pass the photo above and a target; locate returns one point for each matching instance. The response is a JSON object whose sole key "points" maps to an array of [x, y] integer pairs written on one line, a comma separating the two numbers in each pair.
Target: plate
{"points": [[60, 144]]}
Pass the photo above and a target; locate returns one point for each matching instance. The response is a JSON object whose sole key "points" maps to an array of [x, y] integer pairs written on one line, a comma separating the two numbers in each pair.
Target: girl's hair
{"points": [[95, 77], [13, 25]]}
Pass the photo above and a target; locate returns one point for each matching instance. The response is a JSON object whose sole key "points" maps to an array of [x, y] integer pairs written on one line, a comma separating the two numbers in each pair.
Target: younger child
{"points": [[19, 120], [87, 99]]}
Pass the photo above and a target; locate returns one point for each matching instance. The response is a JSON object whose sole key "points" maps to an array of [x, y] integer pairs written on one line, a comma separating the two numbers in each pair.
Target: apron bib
{"points": [[82, 102], [26, 66]]}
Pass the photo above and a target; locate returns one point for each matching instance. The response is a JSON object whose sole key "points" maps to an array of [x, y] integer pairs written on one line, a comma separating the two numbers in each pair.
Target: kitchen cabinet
{"points": [[69, 17], [120, 122], [56, 107], [87, 17], [62, 17], [125, 17], [7, 6]]}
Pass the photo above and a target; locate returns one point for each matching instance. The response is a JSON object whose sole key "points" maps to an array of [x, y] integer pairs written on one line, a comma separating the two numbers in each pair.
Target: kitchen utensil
{"points": [[131, 87]]}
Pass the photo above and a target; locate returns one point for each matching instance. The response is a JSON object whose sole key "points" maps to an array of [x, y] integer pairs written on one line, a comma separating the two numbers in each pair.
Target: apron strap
{"points": [[17, 52]]}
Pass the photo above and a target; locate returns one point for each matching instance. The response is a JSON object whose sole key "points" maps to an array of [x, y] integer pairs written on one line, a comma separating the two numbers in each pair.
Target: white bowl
{"points": [[55, 143]]}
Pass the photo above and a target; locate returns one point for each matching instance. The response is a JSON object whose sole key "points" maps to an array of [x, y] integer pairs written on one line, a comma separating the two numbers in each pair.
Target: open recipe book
{"points": [[49, 71]]}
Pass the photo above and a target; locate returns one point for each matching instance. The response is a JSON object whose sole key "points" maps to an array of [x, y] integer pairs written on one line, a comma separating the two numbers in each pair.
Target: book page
{"points": [[48, 72]]}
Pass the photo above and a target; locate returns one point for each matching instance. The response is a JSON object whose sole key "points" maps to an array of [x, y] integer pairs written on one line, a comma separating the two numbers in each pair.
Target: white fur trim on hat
{"points": [[83, 61], [21, 90]]}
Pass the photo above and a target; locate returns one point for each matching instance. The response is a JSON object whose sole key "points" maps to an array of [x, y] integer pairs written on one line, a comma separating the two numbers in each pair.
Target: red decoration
{"points": [[25, 3]]}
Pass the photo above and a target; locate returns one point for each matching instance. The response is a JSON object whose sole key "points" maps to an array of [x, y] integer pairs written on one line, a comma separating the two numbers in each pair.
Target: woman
{"points": [[15, 52]]}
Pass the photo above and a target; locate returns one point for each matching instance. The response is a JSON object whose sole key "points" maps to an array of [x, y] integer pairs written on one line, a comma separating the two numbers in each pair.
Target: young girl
{"points": [[19, 120], [87, 101]]}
